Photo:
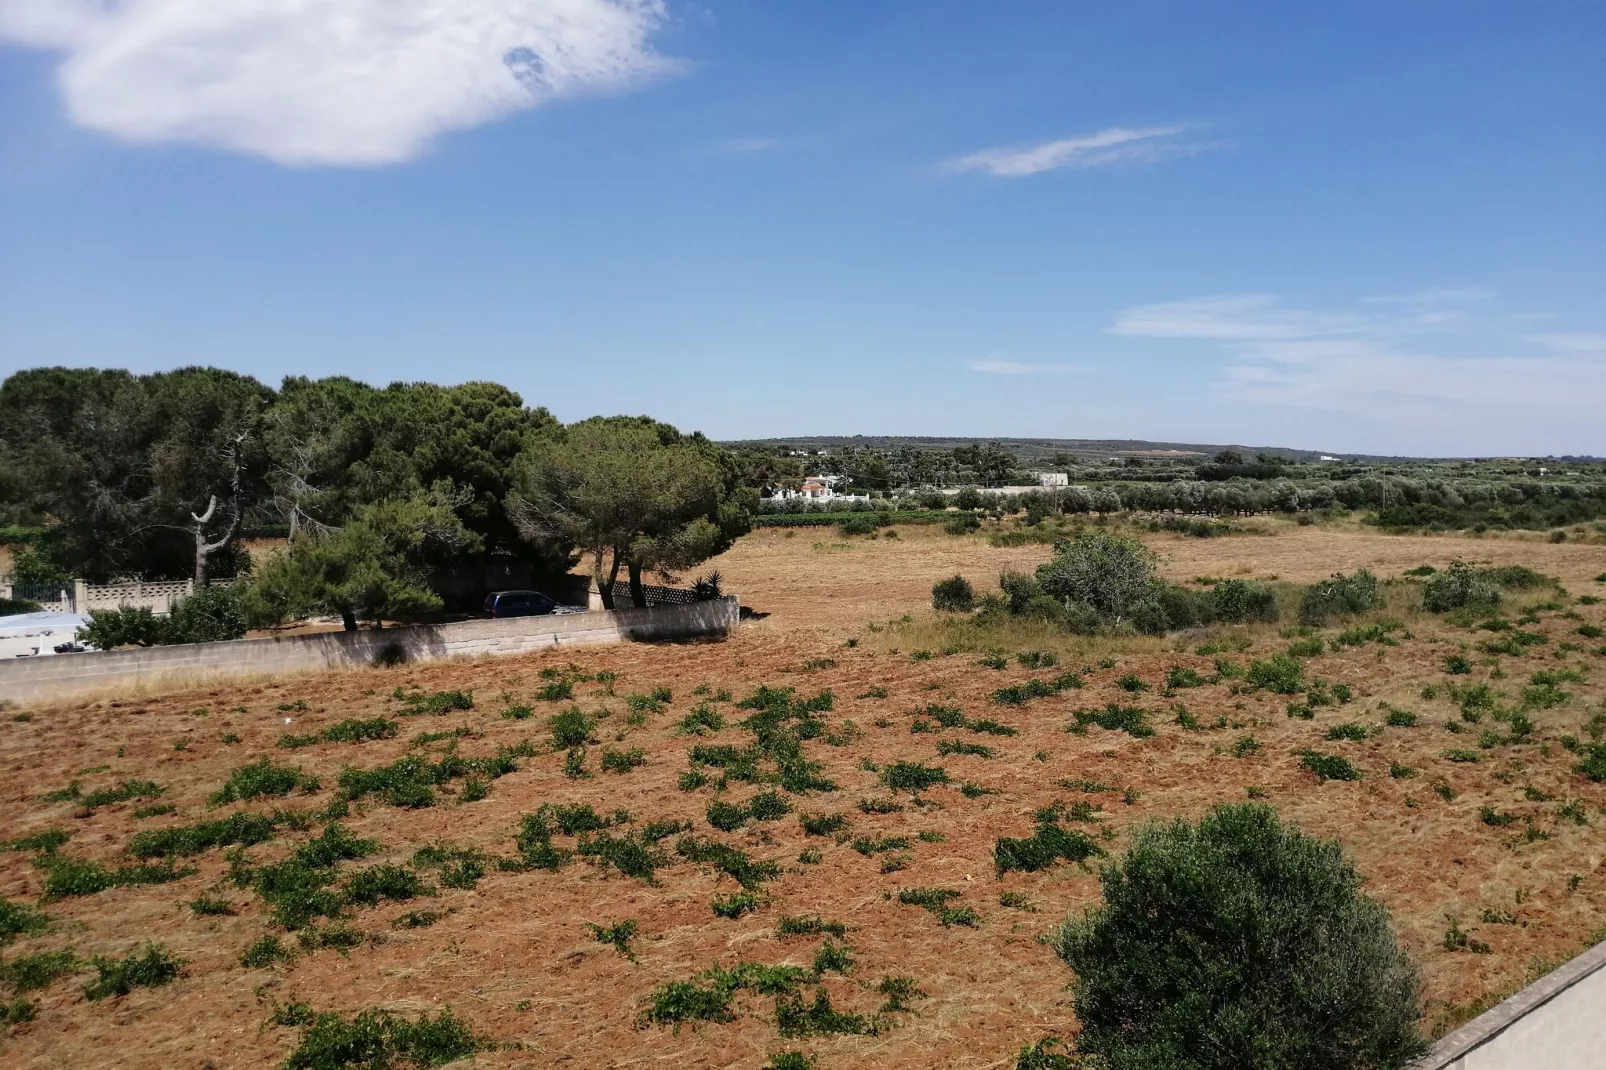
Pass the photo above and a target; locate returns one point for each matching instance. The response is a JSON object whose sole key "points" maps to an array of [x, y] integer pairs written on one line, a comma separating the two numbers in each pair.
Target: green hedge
{"points": [[824, 520]]}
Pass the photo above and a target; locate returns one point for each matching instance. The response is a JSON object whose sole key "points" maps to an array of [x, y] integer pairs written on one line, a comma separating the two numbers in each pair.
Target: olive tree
{"points": [[1110, 573], [631, 493]]}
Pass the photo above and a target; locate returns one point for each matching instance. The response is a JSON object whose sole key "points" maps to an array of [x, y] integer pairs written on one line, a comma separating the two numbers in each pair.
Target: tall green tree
{"points": [[144, 475], [631, 493], [338, 445], [376, 567], [207, 459]]}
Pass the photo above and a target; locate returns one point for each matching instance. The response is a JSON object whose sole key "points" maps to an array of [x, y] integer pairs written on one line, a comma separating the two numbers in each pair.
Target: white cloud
{"points": [[994, 366], [342, 82], [1464, 377], [1107, 148]]}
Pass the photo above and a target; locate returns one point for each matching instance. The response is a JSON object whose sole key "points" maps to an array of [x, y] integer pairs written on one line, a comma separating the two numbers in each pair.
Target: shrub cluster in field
{"points": [[780, 722]]}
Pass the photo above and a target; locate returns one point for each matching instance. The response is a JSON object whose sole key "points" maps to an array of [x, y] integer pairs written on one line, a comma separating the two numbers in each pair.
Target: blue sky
{"points": [[1362, 227]]}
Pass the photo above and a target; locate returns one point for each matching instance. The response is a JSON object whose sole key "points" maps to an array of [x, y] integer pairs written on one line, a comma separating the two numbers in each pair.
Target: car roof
{"points": [[498, 594]]}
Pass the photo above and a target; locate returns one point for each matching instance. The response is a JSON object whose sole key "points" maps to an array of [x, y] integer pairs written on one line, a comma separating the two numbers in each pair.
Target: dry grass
{"points": [[515, 958]]}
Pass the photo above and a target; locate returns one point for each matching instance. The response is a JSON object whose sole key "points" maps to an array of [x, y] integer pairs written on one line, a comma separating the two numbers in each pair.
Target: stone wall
{"points": [[61, 677]]}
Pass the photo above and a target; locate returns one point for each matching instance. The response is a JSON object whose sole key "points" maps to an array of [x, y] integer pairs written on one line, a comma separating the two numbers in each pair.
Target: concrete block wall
{"points": [[1557, 1023], [61, 677]]}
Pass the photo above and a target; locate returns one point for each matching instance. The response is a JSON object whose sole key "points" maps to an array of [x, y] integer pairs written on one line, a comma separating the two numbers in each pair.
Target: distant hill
{"points": [[1041, 450]]}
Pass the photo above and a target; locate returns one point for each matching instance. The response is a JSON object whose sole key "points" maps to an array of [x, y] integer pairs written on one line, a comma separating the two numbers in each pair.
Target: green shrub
{"points": [[351, 730], [730, 861], [260, 779], [621, 760], [1279, 674], [954, 595], [1328, 766], [1116, 718], [1337, 596], [46, 841], [243, 828], [1401, 719], [1180, 677], [391, 882], [1306, 648], [812, 925], [1239, 944], [1593, 763], [26, 973], [17, 920], [768, 806], [1107, 572], [1350, 731], [635, 855], [727, 817], [264, 952], [377, 1039], [571, 728], [151, 967], [937, 900], [822, 824], [434, 703], [1241, 600], [736, 904], [210, 615], [912, 776], [69, 877], [1048, 845], [1458, 587], [961, 523], [109, 629]]}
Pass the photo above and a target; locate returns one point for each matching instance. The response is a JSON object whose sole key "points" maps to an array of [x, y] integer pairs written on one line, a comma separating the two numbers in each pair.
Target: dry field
{"points": [[512, 954]]}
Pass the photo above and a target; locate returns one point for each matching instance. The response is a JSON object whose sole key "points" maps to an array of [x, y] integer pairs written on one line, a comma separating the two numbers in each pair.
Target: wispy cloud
{"points": [[358, 82], [1440, 295], [994, 366], [1107, 148], [1584, 344], [1405, 366]]}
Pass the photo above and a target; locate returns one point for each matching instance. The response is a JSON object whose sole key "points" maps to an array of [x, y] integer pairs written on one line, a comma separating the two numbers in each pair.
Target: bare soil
{"points": [[513, 957]]}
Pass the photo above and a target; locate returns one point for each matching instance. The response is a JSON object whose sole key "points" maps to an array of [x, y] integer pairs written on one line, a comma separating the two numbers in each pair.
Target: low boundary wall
{"points": [[60, 677], [1558, 1023]]}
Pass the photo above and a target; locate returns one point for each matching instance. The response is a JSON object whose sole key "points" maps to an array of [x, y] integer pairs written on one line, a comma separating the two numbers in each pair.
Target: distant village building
{"points": [[817, 489], [1053, 479]]}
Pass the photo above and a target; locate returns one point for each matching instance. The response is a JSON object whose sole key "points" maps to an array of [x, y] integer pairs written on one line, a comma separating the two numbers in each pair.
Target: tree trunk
{"points": [[349, 619], [638, 596], [204, 549], [605, 587]]}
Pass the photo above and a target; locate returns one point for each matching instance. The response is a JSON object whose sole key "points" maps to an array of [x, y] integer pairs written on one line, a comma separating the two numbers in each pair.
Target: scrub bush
{"points": [[1239, 943], [954, 595]]}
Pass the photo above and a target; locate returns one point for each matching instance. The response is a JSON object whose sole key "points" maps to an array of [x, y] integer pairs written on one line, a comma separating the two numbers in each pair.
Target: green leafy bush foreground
{"points": [[1239, 944]]}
